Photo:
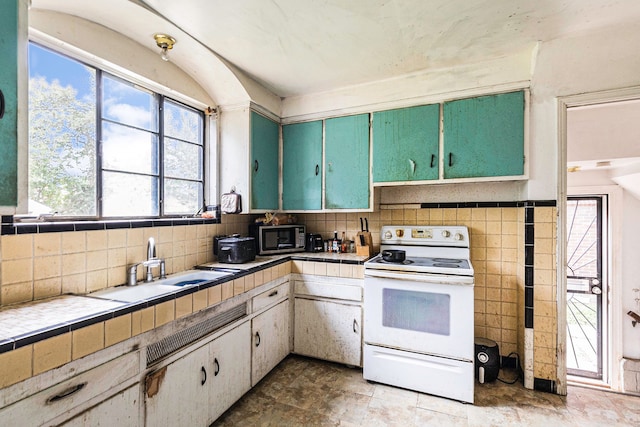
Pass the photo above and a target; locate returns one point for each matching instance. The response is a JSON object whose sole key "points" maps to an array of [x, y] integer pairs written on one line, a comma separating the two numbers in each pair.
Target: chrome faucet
{"points": [[151, 262]]}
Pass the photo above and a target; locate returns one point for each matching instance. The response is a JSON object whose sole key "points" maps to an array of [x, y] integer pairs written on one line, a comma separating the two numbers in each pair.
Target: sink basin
{"points": [[134, 293], [191, 277], [172, 283]]}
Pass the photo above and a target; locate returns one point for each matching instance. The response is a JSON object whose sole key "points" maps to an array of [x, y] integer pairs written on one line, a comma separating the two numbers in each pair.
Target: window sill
{"points": [[10, 227]]}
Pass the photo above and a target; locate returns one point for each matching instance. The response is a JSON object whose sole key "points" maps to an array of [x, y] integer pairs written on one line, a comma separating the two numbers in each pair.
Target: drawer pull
{"points": [[2, 105], [68, 392], [273, 294], [355, 326], [433, 160], [216, 371], [257, 339]]}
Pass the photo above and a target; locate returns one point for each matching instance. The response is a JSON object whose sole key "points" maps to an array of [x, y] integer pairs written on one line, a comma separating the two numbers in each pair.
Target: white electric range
{"points": [[419, 314]]}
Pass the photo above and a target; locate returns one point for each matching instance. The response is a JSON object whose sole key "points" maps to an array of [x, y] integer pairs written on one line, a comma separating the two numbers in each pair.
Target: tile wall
{"points": [[545, 294], [498, 257], [41, 265]]}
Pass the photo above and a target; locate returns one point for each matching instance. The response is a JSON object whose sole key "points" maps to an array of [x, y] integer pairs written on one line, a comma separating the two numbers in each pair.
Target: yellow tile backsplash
{"points": [[87, 261]]}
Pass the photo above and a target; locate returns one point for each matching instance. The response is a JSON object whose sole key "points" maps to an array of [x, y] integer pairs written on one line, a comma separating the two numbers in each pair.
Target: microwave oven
{"points": [[278, 239]]}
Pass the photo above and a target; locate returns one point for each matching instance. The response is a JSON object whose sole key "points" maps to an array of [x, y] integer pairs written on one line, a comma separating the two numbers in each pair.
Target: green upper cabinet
{"points": [[405, 144], [302, 166], [8, 103], [484, 136], [347, 183], [264, 164]]}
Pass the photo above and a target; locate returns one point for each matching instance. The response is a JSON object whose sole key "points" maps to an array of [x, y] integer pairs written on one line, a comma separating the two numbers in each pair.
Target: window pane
{"points": [[62, 134], [122, 102], [182, 160], [182, 197], [129, 195], [128, 149], [182, 123]]}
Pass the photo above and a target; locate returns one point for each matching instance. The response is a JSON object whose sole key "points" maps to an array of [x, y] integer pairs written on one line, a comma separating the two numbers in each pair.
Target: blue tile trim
{"points": [[519, 204], [548, 386], [528, 317], [10, 227], [40, 335]]}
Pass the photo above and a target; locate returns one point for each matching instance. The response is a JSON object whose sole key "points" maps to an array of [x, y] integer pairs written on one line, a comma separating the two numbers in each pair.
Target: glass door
{"points": [[586, 292]]}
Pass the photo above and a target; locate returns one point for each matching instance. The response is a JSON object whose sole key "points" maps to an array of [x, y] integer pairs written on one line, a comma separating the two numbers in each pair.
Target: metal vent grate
{"points": [[168, 345]]}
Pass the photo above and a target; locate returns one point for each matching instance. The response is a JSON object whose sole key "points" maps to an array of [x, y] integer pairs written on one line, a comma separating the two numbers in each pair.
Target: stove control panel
{"points": [[425, 235]]}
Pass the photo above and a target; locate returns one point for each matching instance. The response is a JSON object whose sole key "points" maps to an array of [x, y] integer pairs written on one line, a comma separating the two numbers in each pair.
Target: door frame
{"points": [[615, 220]]}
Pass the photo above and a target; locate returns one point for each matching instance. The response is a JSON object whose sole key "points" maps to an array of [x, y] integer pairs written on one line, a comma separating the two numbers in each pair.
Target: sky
{"points": [[45, 63]]}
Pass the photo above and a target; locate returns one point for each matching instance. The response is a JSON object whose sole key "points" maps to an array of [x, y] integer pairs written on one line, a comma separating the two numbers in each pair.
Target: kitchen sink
{"points": [[144, 291]]}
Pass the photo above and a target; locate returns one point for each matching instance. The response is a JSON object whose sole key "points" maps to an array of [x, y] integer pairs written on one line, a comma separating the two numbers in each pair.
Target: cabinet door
{"points": [[346, 166], [270, 340], [328, 330], [302, 166], [484, 136], [121, 410], [181, 394], [405, 144], [8, 102], [230, 366], [264, 165]]}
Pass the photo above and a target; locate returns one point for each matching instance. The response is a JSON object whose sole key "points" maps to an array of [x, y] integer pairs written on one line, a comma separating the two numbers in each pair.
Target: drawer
{"points": [[271, 296], [328, 290], [54, 401]]}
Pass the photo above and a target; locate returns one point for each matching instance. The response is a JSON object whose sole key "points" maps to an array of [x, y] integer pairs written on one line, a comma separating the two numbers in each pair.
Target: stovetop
{"points": [[414, 264], [429, 249]]}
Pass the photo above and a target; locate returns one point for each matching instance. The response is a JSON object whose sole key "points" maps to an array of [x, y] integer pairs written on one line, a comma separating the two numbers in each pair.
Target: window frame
{"points": [[160, 95]]}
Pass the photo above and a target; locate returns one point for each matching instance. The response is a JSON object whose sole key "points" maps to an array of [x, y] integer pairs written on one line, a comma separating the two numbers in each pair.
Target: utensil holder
{"points": [[364, 243]]}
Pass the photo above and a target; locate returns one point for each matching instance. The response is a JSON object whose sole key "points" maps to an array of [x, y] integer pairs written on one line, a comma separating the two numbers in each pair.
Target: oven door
{"points": [[404, 311]]}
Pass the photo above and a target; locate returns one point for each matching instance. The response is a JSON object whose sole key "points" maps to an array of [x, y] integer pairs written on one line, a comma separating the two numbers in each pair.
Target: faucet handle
{"points": [[163, 271], [132, 278]]}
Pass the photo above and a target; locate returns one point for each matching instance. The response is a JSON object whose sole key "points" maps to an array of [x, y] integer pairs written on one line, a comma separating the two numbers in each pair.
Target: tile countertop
{"points": [[33, 321]]}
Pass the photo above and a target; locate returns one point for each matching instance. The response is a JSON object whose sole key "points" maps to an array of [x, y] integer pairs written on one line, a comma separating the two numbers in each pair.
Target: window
{"points": [[100, 146]]}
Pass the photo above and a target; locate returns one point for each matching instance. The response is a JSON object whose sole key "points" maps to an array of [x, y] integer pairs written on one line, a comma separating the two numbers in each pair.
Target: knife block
{"points": [[365, 249]]}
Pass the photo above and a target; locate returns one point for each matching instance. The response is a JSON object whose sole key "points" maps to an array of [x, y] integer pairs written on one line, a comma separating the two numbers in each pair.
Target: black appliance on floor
{"points": [[487, 360]]}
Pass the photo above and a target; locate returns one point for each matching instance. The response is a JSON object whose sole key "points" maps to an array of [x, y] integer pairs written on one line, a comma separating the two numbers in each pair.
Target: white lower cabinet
{"points": [[270, 340], [328, 330], [231, 356], [61, 402], [121, 410], [195, 389]]}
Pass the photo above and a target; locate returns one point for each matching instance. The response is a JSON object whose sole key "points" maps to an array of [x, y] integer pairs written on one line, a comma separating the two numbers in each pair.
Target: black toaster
{"points": [[236, 250]]}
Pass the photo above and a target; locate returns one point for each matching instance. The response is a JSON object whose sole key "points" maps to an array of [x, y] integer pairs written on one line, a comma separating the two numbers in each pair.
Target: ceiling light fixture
{"points": [[165, 43]]}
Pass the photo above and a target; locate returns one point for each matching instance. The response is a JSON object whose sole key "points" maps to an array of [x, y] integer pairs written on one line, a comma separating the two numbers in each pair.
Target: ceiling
{"points": [[296, 47]]}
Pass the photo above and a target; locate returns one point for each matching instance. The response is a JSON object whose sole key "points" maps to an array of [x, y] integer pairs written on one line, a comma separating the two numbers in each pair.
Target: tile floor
{"points": [[308, 392]]}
